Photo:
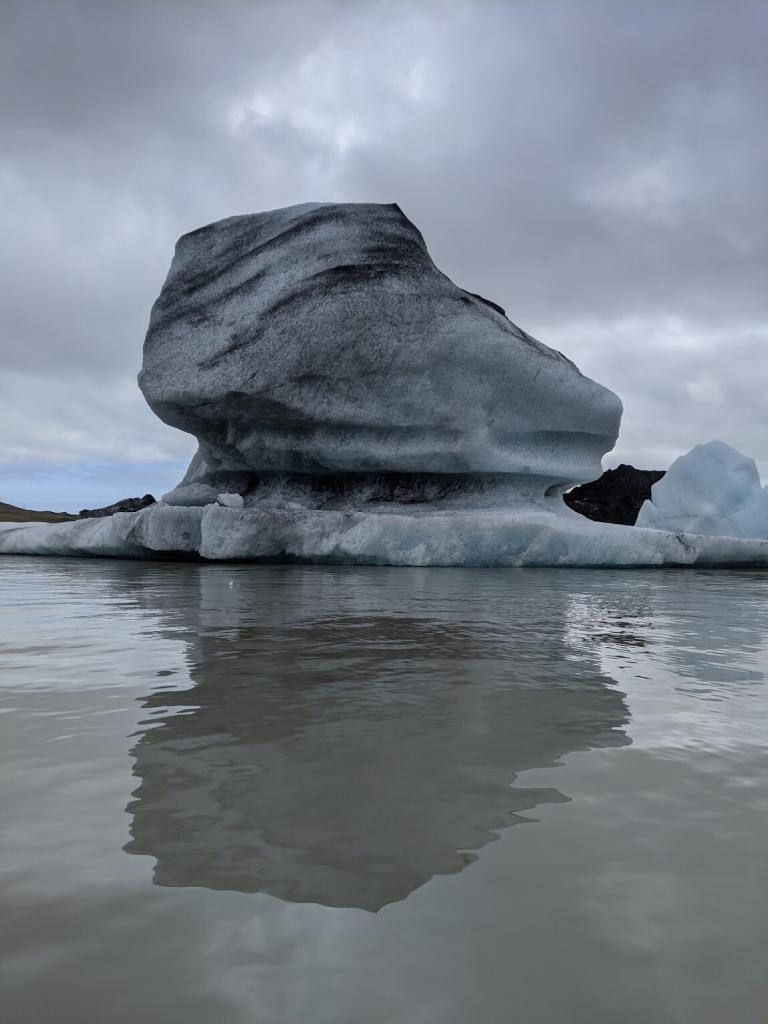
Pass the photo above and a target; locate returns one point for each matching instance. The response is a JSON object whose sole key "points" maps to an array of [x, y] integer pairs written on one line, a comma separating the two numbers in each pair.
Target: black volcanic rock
{"points": [[126, 505], [616, 496]]}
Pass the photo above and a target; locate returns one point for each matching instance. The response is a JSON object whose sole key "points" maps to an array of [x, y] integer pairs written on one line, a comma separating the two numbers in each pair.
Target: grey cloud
{"points": [[598, 168]]}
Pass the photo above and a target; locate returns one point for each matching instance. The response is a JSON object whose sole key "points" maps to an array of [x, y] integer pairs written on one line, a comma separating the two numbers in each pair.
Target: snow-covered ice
{"points": [[712, 490]]}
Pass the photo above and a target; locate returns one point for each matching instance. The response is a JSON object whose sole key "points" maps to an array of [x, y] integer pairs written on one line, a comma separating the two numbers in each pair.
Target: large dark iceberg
{"points": [[322, 341]]}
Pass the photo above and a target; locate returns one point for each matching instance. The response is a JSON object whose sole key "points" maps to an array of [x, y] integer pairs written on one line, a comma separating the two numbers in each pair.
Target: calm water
{"points": [[235, 795]]}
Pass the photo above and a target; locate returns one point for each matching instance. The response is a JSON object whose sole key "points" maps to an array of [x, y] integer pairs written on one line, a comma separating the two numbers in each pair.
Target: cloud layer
{"points": [[597, 168]]}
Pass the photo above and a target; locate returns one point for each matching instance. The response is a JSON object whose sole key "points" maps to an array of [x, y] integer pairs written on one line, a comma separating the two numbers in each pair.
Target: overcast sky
{"points": [[600, 169]]}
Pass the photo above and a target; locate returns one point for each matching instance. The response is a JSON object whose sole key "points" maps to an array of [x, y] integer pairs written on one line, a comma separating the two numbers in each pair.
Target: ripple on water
{"points": [[213, 774]]}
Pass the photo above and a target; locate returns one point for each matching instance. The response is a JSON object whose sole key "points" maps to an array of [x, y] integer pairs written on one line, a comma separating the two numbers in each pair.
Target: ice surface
{"points": [[231, 500], [532, 536], [191, 494], [322, 339], [712, 490], [123, 535]]}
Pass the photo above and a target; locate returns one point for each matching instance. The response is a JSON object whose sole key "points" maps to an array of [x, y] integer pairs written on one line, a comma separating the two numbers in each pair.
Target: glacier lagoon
{"points": [[334, 794], [282, 793]]}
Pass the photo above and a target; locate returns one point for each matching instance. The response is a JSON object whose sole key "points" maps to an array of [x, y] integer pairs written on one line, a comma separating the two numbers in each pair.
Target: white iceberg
{"points": [[713, 490]]}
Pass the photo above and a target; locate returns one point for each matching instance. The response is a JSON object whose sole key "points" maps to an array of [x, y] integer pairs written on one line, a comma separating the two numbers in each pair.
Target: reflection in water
{"points": [[301, 723], [696, 626], [350, 734]]}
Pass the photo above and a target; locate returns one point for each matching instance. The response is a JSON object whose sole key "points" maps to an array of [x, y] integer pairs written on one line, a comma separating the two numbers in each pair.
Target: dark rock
{"points": [[126, 505], [616, 496]]}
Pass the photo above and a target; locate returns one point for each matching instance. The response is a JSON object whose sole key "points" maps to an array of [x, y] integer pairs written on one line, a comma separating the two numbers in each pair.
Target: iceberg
{"points": [[353, 405], [712, 490], [534, 536], [321, 341]]}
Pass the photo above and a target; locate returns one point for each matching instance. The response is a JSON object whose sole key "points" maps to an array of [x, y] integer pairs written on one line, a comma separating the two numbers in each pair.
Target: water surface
{"points": [[305, 794]]}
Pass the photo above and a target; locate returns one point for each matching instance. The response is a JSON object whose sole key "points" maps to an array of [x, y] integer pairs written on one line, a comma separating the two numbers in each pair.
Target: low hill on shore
{"points": [[13, 514]]}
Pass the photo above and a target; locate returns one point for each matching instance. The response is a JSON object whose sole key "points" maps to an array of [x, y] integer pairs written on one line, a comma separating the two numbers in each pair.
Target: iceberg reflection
{"points": [[349, 734]]}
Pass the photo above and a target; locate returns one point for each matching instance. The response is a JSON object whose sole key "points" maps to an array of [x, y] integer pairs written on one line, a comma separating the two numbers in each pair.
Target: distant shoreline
{"points": [[13, 514]]}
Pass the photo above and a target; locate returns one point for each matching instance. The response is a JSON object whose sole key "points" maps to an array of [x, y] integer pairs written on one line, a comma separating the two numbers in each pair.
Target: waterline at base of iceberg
{"points": [[464, 537]]}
